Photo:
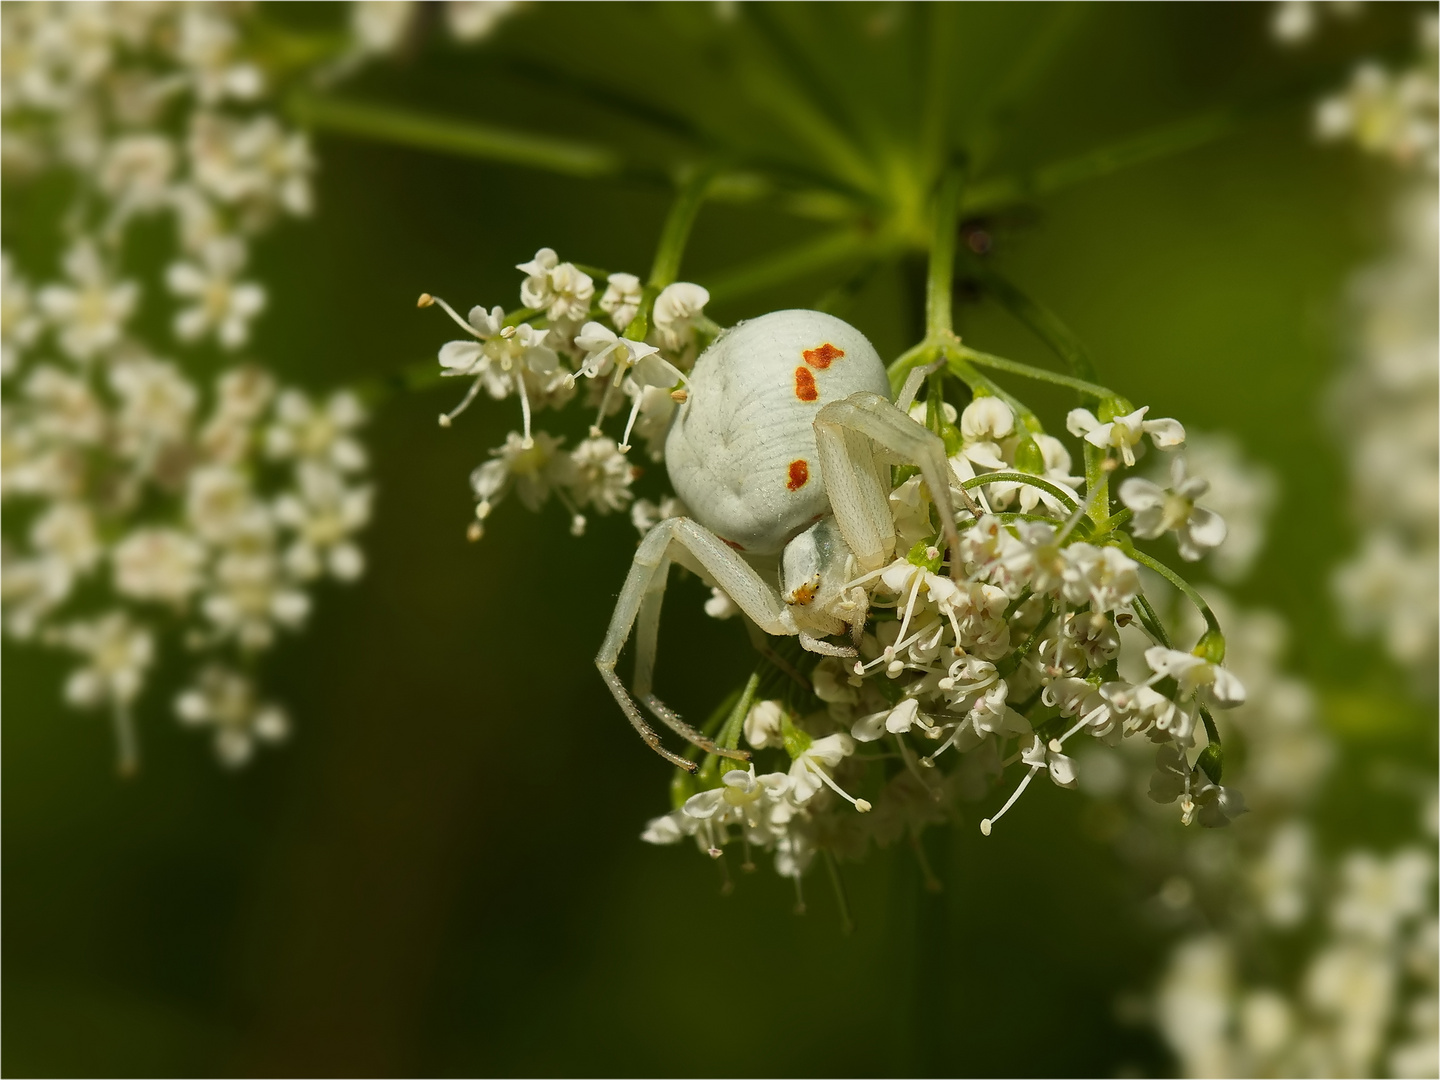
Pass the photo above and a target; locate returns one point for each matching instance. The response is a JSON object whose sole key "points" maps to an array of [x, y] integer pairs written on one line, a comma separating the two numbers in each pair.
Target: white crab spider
{"points": [[782, 452]]}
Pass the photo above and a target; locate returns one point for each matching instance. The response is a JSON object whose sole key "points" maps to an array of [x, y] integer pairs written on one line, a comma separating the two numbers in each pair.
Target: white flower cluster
{"points": [[1034, 640], [1316, 962], [140, 500], [567, 329], [1384, 408], [1362, 1004], [1390, 114]]}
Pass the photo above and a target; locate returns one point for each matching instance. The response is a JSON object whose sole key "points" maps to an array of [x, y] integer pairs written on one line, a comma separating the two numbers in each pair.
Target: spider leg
{"points": [[638, 609], [853, 438]]}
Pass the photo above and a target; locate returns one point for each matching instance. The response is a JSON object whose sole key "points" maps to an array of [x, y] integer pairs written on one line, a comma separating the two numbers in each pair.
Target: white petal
{"points": [[1079, 421], [1140, 494], [459, 355], [1165, 432]]}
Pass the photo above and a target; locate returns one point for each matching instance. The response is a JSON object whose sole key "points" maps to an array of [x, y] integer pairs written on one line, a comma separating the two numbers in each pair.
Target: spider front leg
{"points": [[638, 608], [848, 434]]}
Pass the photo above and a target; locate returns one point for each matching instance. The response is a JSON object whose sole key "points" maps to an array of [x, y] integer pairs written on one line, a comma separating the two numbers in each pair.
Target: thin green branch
{"points": [[678, 223], [1042, 322], [405, 128], [1028, 371], [974, 378], [1007, 477], [1150, 620], [1180, 583], [1163, 141]]}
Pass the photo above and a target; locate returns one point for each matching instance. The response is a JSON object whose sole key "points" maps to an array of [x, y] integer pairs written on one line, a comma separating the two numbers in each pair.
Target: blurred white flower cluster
{"points": [[141, 501], [1384, 410], [568, 328], [1361, 1001], [1319, 959]]}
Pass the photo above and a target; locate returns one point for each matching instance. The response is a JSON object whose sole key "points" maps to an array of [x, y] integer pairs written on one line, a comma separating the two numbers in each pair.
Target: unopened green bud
{"points": [[1211, 647], [1028, 458], [1112, 407], [925, 553], [1212, 762], [952, 438], [796, 741]]}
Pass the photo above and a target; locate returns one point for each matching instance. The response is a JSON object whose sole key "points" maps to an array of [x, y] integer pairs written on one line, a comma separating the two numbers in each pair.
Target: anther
{"points": [[474, 532], [1055, 746], [444, 419], [679, 395], [425, 300]]}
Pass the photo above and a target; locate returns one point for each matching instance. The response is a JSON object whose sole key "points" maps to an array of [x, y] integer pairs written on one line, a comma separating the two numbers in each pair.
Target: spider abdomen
{"points": [[741, 453]]}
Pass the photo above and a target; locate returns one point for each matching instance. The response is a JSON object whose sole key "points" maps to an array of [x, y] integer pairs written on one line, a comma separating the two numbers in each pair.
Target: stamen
{"points": [[524, 406], [630, 423], [595, 429], [426, 300], [989, 823], [447, 418], [859, 804]]}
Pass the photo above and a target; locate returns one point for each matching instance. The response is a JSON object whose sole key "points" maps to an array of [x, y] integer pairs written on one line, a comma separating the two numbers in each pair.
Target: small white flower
{"points": [[322, 434], [207, 46], [90, 313], [158, 564], [117, 653], [228, 702], [1193, 673], [676, 311], [600, 475], [221, 304], [559, 289], [622, 298], [763, 723], [1159, 510], [1124, 432], [896, 721], [1105, 577], [742, 798], [20, 323], [157, 404], [324, 514], [531, 470], [809, 770], [645, 515]]}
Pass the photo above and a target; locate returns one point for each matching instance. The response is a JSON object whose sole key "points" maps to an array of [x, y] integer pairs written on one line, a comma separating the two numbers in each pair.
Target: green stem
{"points": [[729, 737], [940, 282], [1163, 141], [1044, 324], [1150, 620], [465, 138], [678, 223], [847, 924], [1023, 478], [1028, 371], [972, 377], [1180, 583]]}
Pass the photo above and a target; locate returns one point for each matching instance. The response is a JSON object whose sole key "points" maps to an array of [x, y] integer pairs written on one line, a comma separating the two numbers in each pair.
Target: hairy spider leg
{"points": [[684, 541]]}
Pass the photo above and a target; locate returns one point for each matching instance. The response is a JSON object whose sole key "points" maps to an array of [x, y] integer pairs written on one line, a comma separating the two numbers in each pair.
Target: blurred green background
{"points": [[441, 873]]}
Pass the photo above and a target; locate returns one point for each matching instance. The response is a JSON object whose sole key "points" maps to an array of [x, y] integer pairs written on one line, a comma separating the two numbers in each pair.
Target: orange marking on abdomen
{"points": [[822, 357], [805, 385], [732, 544], [799, 474]]}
